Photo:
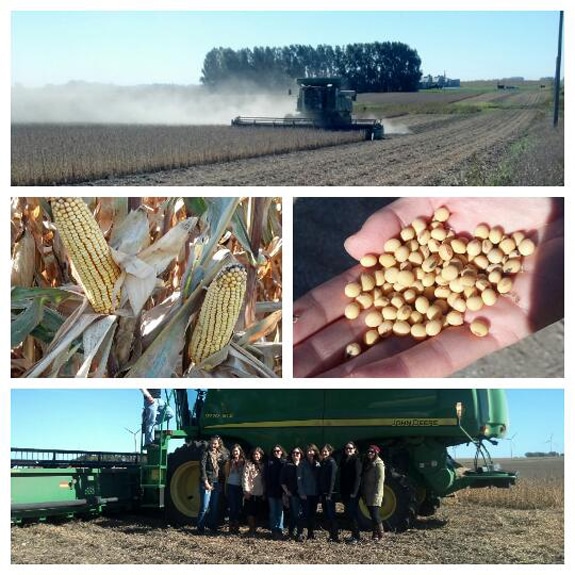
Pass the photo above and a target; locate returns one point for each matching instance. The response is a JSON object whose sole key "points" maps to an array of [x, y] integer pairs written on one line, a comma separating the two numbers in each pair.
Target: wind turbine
{"points": [[510, 439], [134, 433], [550, 442]]}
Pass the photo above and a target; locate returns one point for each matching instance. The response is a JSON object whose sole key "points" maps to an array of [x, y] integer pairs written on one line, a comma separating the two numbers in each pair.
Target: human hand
{"points": [[321, 332]]}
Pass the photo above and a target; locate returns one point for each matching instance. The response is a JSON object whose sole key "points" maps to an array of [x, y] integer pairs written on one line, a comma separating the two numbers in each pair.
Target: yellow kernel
{"points": [[407, 233], [468, 279], [401, 328], [390, 275], [418, 331], [442, 292], [459, 245], [373, 319], [368, 261], [421, 304], [428, 280], [486, 246], [389, 312], [418, 224], [518, 237], [404, 312], [495, 256], [423, 237], [433, 312], [481, 261], [445, 252], [479, 327], [416, 317], [482, 283], [367, 282], [352, 310], [458, 304], [370, 336], [439, 234], [430, 263], [489, 297], [365, 300], [454, 318], [456, 286], [380, 302], [495, 234], [385, 328], [433, 327], [415, 257], [512, 266], [507, 245], [405, 278], [401, 253], [481, 231], [379, 276], [449, 272], [387, 260], [474, 303], [352, 289], [526, 247], [397, 301], [352, 349], [409, 295], [391, 245], [473, 248], [441, 214], [495, 275], [505, 285]]}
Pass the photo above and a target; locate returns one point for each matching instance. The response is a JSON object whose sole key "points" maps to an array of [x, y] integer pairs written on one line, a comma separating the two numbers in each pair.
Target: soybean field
{"points": [[473, 136]]}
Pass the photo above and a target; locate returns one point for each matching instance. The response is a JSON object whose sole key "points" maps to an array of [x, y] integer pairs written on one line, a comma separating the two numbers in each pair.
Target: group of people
{"points": [[293, 485]]}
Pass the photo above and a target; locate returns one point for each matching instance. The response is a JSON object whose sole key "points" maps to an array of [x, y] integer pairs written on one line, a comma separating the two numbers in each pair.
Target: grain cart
{"points": [[413, 427], [323, 104]]}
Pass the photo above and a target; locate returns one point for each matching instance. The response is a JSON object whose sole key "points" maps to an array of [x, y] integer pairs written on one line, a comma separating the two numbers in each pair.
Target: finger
{"points": [[387, 223], [322, 305]]}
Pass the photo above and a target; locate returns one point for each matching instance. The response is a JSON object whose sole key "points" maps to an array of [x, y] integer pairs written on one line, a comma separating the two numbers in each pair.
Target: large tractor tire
{"points": [[183, 485], [398, 509]]}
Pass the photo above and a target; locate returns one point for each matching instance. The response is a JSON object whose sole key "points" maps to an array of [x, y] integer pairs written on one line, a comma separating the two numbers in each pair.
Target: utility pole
{"points": [[558, 72]]}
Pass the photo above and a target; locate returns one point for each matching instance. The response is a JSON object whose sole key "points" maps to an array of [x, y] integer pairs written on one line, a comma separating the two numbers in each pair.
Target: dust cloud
{"points": [[81, 102]]}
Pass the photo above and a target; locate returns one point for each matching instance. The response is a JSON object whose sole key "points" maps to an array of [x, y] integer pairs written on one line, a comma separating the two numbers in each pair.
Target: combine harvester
{"points": [[414, 428], [321, 104]]}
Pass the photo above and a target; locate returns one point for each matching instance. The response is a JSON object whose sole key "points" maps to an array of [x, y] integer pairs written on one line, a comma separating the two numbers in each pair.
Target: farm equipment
{"points": [[321, 104], [413, 427]]}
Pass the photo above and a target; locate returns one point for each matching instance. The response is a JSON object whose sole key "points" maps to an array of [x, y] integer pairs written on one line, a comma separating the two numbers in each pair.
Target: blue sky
{"points": [[145, 47], [96, 419]]}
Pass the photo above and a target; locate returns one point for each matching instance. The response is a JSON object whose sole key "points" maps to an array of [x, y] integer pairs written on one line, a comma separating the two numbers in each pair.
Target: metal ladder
{"points": [[154, 466]]}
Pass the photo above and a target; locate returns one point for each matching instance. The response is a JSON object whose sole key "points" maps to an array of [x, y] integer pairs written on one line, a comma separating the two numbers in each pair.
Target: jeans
{"points": [[351, 510], [154, 414], [310, 511], [294, 513], [276, 513], [208, 515], [235, 502]]}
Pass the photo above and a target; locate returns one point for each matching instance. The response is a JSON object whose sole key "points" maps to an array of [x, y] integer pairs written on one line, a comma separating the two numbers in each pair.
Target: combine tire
{"points": [[183, 485], [397, 510]]}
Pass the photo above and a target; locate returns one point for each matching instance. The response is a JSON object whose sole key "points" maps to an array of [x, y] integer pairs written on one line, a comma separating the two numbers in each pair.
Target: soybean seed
{"points": [[418, 331], [401, 328], [505, 285], [489, 297], [367, 282], [352, 349], [479, 327], [352, 310], [441, 214], [385, 328], [433, 327], [526, 247], [368, 261], [481, 231], [474, 303], [373, 319], [352, 289], [391, 245], [370, 337]]}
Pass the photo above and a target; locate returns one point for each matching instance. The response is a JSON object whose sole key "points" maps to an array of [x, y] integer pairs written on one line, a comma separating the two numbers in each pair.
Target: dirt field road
{"points": [[433, 150]]}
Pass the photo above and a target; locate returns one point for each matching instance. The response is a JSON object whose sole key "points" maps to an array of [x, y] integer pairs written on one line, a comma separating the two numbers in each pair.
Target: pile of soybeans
{"points": [[429, 276]]}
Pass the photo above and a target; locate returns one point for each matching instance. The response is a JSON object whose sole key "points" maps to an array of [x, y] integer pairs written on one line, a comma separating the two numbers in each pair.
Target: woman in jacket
{"points": [[253, 485], [327, 476], [234, 474], [349, 484], [274, 490], [288, 481], [372, 481], [308, 489], [211, 481]]}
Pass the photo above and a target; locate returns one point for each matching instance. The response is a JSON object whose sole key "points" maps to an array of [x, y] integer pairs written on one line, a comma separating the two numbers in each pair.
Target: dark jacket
{"points": [[207, 471], [272, 474], [288, 477], [349, 477], [327, 475], [307, 478]]}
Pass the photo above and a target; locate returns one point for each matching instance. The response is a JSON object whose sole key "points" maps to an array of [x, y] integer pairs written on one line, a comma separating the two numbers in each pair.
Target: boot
{"points": [[379, 531], [333, 533], [251, 526]]}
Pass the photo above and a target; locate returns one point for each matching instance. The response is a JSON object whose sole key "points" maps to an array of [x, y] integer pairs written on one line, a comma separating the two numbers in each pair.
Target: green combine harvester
{"points": [[323, 104], [414, 428]]}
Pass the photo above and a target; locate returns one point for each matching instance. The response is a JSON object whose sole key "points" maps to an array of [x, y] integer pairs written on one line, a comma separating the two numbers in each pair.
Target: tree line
{"points": [[366, 67]]}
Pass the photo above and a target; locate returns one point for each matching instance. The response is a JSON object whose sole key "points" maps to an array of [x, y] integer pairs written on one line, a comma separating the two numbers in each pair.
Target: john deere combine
{"points": [[321, 104], [414, 428]]}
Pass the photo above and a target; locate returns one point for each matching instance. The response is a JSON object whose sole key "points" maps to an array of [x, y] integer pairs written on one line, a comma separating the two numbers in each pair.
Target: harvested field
{"points": [[456, 138], [474, 527]]}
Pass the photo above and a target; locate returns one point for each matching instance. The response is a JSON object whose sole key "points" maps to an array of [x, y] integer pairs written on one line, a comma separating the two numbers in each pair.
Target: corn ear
{"points": [[219, 313], [88, 251]]}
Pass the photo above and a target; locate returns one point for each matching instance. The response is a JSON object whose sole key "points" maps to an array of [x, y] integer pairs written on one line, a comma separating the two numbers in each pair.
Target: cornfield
{"points": [[166, 253]]}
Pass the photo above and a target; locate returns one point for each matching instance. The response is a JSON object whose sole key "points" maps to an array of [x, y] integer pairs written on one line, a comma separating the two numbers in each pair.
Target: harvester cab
{"points": [[323, 104]]}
